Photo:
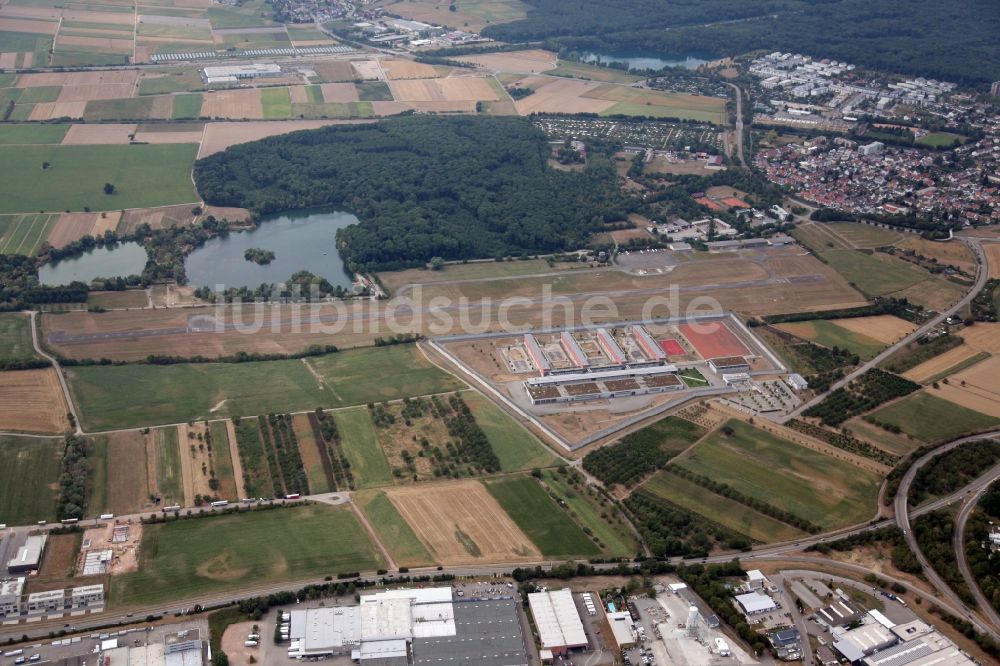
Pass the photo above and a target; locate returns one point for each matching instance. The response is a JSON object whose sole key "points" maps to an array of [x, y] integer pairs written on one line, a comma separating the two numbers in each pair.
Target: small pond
{"points": [[645, 61], [105, 262]]}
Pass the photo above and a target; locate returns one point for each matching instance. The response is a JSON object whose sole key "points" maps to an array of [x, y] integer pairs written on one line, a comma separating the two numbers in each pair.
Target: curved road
{"points": [[902, 510], [958, 543], [981, 276], [59, 373]]}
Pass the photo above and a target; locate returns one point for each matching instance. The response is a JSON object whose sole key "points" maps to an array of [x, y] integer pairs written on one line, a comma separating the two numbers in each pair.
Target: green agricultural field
{"points": [[249, 14], [221, 452], [333, 110], [169, 481], [394, 532], [315, 94], [276, 103], [722, 510], [941, 140], [180, 81], [865, 235], [28, 463], [143, 176], [27, 134], [616, 538], [139, 395], [24, 234], [131, 298], [39, 94], [132, 108], [97, 461], [15, 338], [671, 433], [664, 111], [580, 70], [829, 334], [40, 45], [358, 376], [256, 476], [928, 418], [811, 485], [194, 557], [186, 106], [374, 91], [874, 275], [544, 522], [360, 447], [516, 448]]}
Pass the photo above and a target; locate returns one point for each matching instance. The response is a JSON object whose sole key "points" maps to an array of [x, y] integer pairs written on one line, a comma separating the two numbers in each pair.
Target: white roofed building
{"points": [[559, 626]]}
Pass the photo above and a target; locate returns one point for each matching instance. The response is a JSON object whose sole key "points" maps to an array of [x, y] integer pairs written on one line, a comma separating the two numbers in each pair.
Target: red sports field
{"points": [[713, 339], [672, 347]]}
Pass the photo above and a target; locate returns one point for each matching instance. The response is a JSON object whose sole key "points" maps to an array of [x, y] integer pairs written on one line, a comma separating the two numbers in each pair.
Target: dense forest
{"points": [[915, 37], [423, 187]]}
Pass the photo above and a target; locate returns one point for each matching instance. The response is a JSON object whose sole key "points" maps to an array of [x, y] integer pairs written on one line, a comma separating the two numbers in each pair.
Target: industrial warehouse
{"points": [[412, 626]]}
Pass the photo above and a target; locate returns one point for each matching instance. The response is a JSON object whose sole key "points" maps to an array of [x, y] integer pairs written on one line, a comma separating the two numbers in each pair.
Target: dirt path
{"points": [[234, 453], [187, 473], [390, 563]]}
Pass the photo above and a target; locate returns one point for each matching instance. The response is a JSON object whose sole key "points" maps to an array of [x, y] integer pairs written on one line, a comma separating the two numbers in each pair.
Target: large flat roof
{"points": [[756, 603], [557, 619], [488, 633], [599, 375]]}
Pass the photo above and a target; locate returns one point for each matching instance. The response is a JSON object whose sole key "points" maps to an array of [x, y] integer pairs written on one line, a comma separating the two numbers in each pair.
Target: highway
{"points": [[958, 543], [982, 275], [903, 513]]}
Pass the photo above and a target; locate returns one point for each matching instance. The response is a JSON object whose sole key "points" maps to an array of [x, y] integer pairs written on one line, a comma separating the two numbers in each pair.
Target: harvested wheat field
{"points": [[992, 251], [389, 108], [467, 106], [112, 133], [73, 226], [368, 70], [85, 16], [152, 136], [53, 110], [983, 337], [219, 136], [975, 388], [884, 328], [28, 25], [439, 90], [461, 523], [407, 69], [32, 401], [232, 104], [560, 96], [533, 61], [163, 217], [339, 92], [940, 363], [107, 44], [335, 71], [126, 486], [44, 13]]}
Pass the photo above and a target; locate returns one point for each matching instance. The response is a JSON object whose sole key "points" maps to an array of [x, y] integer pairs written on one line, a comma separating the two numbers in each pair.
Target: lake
{"points": [[300, 240], [106, 262], [645, 61]]}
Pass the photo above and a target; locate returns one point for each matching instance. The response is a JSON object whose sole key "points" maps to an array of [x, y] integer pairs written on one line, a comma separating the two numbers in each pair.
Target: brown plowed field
{"points": [[390, 108], [367, 69], [232, 104], [51, 110], [975, 388], [123, 77], [527, 62], [32, 401], [158, 218], [112, 133], [561, 96], [451, 90], [468, 106], [461, 523], [102, 43], [338, 92], [335, 71], [74, 226], [84, 16], [28, 25], [884, 328], [219, 136], [992, 251], [127, 487], [407, 69]]}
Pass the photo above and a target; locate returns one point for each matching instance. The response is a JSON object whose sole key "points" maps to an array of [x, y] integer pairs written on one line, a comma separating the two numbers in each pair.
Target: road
{"points": [[797, 618], [958, 543], [902, 511], [59, 373], [739, 123], [981, 276]]}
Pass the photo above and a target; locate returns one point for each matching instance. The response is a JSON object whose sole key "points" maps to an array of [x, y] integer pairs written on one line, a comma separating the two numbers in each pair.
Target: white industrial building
{"points": [[560, 628], [10, 597], [920, 645], [49, 602], [754, 603], [237, 73], [856, 644], [622, 628], [28, 556]]}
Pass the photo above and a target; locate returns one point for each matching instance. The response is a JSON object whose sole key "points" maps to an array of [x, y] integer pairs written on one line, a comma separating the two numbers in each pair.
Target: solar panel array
{"points": [[204, 55]]}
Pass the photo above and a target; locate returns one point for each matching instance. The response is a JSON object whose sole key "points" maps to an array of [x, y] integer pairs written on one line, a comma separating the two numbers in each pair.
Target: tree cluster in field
{"points": [[259, 256], [914, 38], [953, 469], [301, 287], [628, 461], [380, 415], [984, 304], [934, 533], [286, 448], [256, 481], [423, 187], [985, 562], [902, 557], [238, 357], [205, 444], [270, 455], [671, 531], [757, 505], [19, 287], [520, 93], [711, 584], [74, 478], [844, 440], [331, 449], [864, 394], [924, 349], [898, 307], [472, 447]]}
